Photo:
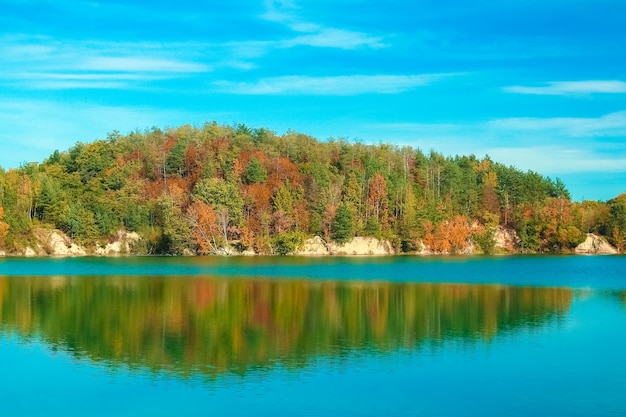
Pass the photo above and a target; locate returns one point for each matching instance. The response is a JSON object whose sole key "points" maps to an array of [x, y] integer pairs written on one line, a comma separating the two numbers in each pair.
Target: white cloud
{"points": [[336, 38], [78, 80], [278, 10], [44, 63], [313, 34], [568, 88], [77, 85], [336, 86], [139, 64], [557, 160], [612, 124]]}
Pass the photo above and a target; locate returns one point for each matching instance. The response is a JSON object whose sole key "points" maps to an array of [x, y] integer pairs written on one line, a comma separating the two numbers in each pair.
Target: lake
{"points": [[329, 336]]}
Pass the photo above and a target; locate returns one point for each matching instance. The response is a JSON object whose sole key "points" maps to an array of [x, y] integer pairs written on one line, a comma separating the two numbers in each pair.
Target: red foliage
{"points": [[257, 198], [169, 144], [220, 145], [282, 170]]}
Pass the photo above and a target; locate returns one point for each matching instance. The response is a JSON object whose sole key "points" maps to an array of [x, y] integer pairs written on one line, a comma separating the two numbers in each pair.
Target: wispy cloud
{"points": [[334, 86], [78, 80], [612, 124], [140, 64], [279, 10], [313, 34], [335, 38], [44, 63], [572, 88], [558, 160]]}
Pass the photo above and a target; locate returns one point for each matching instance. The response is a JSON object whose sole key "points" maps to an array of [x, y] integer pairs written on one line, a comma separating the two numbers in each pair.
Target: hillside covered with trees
{"points": [[222, 189]]}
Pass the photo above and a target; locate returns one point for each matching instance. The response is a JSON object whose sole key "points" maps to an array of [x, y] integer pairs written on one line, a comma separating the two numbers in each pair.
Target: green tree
{"points": [[175, 161], [255, 172], [373, 228], [341, 229], [287, 242], [78, 222], [175, 236], [221, 195], [615, 227]]}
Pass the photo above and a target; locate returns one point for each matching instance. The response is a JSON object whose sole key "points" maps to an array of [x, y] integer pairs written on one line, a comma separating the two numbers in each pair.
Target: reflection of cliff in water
{"points": [[214, 325]]}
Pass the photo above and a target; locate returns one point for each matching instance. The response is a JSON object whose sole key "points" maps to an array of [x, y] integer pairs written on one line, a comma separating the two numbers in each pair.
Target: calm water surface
{"points": [[395, 336]]}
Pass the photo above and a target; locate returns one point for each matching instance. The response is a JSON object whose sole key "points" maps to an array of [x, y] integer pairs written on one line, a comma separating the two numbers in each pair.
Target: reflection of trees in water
{"points": [[213, 325]]}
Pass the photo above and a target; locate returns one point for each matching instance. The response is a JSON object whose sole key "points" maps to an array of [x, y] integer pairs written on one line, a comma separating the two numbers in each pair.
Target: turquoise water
{"points": [[572, 271], [394, 336]]}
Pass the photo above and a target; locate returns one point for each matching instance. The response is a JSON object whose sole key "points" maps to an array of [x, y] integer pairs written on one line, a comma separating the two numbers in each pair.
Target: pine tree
{"points": [[255, 172], [341, 228]]}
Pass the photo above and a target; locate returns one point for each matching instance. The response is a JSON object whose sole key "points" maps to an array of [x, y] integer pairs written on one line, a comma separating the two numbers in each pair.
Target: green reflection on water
{"points": [[213, 325]]}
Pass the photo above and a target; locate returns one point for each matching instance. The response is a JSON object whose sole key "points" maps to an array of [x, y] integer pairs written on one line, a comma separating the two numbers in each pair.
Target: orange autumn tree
{"points": [[257, 207], [559, 231], [378, 199], [458, 233], [205, 228], [449, 236]]}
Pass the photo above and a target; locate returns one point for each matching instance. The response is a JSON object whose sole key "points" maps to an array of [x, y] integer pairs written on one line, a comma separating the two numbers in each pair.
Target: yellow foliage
{"points": [[4, 227], [450, 236]]}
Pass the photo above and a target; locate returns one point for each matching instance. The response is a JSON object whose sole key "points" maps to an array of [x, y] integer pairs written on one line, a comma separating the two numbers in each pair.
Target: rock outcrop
{"points": [[595, 245], [53, 242], [30, 252], [121, 245], [56, 243], [356, 246], [314, 247], [361, 246], [506, 239]]}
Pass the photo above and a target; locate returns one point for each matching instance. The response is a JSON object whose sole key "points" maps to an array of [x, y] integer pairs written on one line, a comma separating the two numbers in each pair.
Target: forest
{"points": [[216, 189]]}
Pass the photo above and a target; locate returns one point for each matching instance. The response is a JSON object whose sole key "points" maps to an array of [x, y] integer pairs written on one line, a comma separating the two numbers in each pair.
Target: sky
{"points": [[537, 84]]}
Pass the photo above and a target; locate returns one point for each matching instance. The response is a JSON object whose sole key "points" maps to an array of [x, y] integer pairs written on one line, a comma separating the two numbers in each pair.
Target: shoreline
{"points": [[53, 243]]}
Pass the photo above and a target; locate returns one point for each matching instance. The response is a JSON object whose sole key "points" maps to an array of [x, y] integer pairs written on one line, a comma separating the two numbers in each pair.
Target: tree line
{"points": [[220, 189]]}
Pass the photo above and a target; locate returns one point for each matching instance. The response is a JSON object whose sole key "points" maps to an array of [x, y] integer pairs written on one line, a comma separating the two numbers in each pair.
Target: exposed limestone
{"points": [[596, 245], [56, 243], [356, 246], [361, 246], [314, 247], [121, 245], [29, 252], [2, 253], [422, 249], [506, 239], [469, 249]]}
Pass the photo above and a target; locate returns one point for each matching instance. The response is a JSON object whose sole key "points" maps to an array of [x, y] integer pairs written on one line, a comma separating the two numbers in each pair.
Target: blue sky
{"points": [[536, 84]]}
